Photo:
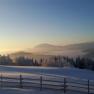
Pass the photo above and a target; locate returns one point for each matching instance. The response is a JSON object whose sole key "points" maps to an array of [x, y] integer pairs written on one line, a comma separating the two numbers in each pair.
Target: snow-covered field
{"points": [[68, 72], [48, 73], [33, 91]]}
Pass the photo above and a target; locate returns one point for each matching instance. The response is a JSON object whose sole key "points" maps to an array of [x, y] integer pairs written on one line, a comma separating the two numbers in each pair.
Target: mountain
{"points": [[21, 54], [81, 46], [89, 53], [47, 50], [68, 50], [28, 55]]}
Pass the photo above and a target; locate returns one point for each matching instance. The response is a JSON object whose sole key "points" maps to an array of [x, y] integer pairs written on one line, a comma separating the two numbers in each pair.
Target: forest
{"points": [[53, 61]]}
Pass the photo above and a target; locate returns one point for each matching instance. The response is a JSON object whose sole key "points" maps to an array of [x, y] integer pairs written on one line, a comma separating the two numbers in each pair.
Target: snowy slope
{"points": [[70, 72], [54, 74], [33, 91]]}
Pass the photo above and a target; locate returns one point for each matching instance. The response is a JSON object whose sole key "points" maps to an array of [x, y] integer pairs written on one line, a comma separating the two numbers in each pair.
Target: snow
{"points": [[33, 91], [49, 73], [68, 72]]}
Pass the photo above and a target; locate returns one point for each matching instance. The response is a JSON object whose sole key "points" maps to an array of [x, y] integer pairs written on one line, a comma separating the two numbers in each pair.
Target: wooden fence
{"points": [[48, 82]]}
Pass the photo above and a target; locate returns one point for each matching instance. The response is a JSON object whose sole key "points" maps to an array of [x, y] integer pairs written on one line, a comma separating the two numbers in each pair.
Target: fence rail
{"points": [[49, 82]]}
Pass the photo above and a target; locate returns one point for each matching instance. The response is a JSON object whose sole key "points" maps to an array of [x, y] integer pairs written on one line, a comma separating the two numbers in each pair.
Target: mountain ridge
{"points": [[49, 49]]}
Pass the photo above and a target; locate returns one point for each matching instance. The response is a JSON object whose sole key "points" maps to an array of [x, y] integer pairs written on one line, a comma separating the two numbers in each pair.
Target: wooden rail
{"points": [[49, 82]]}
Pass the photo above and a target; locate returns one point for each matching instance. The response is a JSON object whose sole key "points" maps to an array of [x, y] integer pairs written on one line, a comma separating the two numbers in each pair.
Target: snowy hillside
{"points": [[70, 72], [50, 76], [33, 91]]}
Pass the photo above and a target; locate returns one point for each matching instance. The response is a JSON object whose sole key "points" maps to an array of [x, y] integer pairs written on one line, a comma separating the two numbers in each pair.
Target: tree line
{"points": [[81, 62], [53, 61]]}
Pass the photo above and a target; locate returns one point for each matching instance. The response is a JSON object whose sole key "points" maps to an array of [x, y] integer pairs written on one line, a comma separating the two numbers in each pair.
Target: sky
{"points": [[26, 23]]}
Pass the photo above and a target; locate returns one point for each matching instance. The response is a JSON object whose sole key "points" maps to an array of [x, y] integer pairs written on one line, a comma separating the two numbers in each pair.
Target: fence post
{"points": [[88, 88], [64, 85], [1, 80], [40, 82], [21, 82]]}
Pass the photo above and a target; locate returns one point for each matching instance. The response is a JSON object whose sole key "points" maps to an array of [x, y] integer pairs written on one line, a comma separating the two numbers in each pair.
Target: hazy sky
{"points": [[26, 23]]}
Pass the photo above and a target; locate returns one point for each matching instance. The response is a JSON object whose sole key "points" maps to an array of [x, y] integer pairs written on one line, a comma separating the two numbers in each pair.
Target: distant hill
{"points": [[89, 53], [28, 55], [81, 46], [69, 50], [88, 45], [20, 54], [46, 50]]}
